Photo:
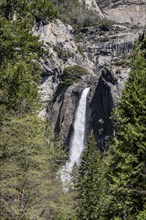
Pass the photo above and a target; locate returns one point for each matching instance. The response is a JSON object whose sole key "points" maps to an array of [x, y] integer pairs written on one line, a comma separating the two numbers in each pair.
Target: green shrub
{"points": [[72, 74], [63, 54]]}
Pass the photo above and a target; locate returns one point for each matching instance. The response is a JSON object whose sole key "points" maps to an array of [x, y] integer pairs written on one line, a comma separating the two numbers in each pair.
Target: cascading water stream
{"points": [[77, 141]]}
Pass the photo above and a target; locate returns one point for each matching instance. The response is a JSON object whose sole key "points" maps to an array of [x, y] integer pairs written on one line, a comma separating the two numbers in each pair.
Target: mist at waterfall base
{"points": [[77, 142]]}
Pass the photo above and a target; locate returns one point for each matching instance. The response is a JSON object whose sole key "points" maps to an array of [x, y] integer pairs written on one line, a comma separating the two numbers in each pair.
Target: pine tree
{"points": [[127, 176], [91, 186], [27, 10]]}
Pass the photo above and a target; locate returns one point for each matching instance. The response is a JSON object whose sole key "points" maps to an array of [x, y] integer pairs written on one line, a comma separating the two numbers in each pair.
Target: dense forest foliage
{"points": [[29, 152], [112, 185], [109, 185]]}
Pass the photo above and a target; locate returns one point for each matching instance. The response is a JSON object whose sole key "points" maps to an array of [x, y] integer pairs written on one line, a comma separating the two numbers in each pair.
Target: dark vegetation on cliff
{"points": [[72, 74], [109, 185]]}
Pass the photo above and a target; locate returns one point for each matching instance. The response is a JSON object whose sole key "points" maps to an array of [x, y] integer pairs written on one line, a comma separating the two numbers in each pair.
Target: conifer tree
{"points": [[27, 10], [127, 175], [20, 53], [91, 186]]}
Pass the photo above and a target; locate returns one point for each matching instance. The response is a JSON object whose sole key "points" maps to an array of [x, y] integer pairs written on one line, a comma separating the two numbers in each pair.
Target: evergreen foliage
{"points": [[19, 69], [62, 54], [112, 186], [30, 155], [27, 10], [91, 185], [72, 74], [127, 176], [142, 215], [20, 53]]}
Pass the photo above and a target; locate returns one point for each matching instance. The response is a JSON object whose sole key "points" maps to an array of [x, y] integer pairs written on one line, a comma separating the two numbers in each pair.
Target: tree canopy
{"points": [[30, 154], [128, 152], [114, 187]]}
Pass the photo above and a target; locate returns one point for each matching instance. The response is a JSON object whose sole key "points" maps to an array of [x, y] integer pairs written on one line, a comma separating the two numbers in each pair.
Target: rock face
{"points": [[104, 51], [63, 110], [105, 45], [58, 40], [120, 11], [92, 5], [124, 11], [101, 103]]}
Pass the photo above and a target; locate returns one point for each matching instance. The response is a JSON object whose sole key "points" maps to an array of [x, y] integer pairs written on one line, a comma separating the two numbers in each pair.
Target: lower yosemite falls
{"points": [[72, 110], [77, 140]]}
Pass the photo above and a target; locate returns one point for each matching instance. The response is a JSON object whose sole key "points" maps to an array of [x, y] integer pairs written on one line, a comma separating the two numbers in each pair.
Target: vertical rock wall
{"points": [[104, 51]]}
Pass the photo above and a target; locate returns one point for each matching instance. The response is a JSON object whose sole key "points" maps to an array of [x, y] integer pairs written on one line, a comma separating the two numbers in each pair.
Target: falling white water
{"points": [[77, 141]]}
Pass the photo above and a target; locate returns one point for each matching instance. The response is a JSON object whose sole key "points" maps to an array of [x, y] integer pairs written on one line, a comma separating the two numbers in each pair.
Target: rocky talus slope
{"points": [[104, 51]]}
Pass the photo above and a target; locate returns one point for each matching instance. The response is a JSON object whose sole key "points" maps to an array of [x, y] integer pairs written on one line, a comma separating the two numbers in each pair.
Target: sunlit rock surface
{"points": [[104, 50]]}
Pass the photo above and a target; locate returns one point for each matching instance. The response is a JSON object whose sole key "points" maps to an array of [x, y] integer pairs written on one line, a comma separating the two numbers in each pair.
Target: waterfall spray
{"points": [[77, 141]]}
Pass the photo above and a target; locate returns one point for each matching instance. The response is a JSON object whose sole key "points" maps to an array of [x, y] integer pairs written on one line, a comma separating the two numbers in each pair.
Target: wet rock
{"points": [[63, 110]]}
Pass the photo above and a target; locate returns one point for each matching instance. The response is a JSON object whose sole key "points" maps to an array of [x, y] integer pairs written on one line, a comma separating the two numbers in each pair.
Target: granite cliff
{"points": [[122, 11], [104, 51]]}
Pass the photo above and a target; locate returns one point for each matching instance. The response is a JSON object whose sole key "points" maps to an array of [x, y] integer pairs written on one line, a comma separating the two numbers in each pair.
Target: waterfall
{"points": [[77, 141]]}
